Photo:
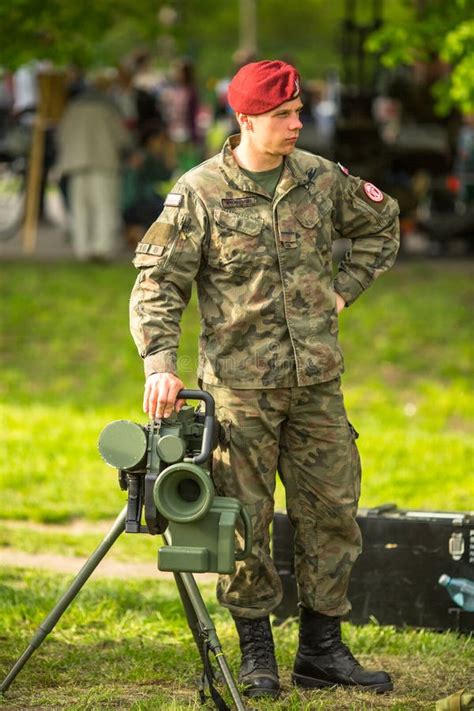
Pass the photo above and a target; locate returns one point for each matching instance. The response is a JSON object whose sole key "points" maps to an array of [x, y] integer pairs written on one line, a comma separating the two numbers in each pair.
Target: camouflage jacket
{"points": [[263, 269]]}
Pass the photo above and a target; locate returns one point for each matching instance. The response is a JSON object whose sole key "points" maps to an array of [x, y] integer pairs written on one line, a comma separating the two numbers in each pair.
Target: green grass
{"points": [[76, 543], [126, 645], [68, 367]]}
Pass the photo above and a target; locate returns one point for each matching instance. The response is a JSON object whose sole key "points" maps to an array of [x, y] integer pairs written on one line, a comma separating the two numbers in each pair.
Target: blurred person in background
{"points": [[137, 106], [464, 163], [91, 144], [145, 180], [180, 105], [26, 100], [225, 123], [76, 83]]}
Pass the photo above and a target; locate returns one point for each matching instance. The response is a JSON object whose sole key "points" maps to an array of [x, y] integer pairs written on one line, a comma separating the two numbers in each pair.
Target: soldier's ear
{"points": [[244, 121]]}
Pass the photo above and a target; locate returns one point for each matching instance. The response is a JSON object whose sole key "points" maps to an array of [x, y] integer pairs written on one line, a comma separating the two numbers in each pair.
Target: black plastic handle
{"points": [[209, 421]]}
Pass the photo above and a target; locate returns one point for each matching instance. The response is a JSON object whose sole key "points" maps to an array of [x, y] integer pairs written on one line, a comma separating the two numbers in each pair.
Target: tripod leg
{"points": [[203, 629], [191, 617], [208, 674], [61, 606], [208, 630]]}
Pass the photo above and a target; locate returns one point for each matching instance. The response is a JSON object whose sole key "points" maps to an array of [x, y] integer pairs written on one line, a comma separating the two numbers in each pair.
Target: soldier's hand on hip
{"points": [[340, 303], [159, 399]]}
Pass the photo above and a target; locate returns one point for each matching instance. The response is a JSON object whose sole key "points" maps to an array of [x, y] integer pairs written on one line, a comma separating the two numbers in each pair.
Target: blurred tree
{"points": [[73, 30], [98, 34], [101, 33], [434, 29]]}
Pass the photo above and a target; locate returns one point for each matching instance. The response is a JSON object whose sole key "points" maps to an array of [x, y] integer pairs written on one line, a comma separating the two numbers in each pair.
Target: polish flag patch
{"points": [[343, 169], [373, 193]]}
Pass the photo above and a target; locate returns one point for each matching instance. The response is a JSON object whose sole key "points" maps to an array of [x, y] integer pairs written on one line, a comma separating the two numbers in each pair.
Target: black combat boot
{"points": [[323, 660], [258, 669]]}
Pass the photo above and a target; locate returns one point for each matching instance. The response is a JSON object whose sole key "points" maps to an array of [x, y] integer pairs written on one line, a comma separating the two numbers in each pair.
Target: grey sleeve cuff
{"points": [[348, 287], [161, 362]]}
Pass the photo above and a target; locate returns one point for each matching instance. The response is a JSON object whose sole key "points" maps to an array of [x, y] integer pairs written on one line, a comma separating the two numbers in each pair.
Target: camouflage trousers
{"points": [[303, 433]]}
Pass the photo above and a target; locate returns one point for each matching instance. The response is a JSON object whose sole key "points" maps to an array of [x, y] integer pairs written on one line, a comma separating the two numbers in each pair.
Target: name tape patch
{"points": [[173, 200]]}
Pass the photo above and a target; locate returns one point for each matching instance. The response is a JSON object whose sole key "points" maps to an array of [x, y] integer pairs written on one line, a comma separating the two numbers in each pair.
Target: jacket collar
{"points": [[292, 175]]}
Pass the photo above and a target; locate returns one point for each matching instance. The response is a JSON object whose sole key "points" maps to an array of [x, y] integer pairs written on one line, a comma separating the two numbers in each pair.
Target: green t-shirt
{"points": [[267, 179]]}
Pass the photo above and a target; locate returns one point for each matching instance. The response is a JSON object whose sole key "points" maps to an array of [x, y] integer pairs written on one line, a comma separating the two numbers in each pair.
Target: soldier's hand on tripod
{"points": [[159, 399]]}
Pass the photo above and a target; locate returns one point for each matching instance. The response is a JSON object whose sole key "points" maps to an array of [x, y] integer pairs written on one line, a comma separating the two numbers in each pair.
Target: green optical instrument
{"points": [[165, 468]]}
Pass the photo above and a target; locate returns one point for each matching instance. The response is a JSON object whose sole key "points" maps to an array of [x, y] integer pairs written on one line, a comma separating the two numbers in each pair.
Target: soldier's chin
{"points": [[288, 147]]}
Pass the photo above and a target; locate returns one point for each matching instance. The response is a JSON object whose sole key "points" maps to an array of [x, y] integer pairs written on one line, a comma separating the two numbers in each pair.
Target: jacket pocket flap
{"points": [[309, 215], [146, 260]]}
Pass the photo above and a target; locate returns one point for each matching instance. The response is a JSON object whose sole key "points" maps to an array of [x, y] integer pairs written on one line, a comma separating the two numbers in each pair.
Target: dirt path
{"points": [[77, 526], [109, 567]]}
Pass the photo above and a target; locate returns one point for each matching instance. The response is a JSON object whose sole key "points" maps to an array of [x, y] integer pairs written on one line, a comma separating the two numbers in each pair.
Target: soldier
{"points": [[253, 226]]}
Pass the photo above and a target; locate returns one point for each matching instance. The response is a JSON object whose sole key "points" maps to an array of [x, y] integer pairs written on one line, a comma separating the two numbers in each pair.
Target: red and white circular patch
{"points": [[373, 193]]}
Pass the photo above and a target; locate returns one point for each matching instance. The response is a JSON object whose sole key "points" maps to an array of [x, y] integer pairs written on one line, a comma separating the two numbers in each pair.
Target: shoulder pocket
{"points": [[362, 204], [377, 203], [159, 246]]}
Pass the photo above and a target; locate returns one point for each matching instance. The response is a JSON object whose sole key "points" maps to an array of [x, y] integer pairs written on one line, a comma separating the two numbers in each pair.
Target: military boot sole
{"points": [[310, 682], [261, 693], [260, 687]]}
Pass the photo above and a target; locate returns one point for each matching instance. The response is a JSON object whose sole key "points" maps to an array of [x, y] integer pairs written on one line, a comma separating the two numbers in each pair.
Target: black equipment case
{"points": [[395, 579]]}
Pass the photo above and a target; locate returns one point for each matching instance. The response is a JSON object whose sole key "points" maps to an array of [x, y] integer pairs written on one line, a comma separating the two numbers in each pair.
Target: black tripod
{"points": [[199, 621]]}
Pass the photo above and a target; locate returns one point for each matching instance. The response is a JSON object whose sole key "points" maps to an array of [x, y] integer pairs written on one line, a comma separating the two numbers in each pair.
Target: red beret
{"points": [[262, 86]]}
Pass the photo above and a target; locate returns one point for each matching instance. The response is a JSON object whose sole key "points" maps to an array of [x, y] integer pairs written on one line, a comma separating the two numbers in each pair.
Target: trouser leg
{"points": [[80, 214], [320, 468], [244, 466], [106, 213]]}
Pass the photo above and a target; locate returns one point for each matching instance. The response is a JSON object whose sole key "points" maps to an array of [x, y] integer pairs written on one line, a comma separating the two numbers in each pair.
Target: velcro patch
{"points": [[239, 202], [372, 196], [154, 249], [373, 193], [174, 200], [158, 233]]}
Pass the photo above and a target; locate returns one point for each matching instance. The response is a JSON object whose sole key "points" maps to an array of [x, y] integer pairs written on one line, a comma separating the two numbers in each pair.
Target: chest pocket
{"points": [[312, 214], [315, 229], [235, 241]]}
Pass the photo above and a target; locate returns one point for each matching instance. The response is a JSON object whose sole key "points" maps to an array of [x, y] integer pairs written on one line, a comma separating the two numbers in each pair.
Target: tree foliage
{"points": [[434, 28], [100, 33], [69, 30]]}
